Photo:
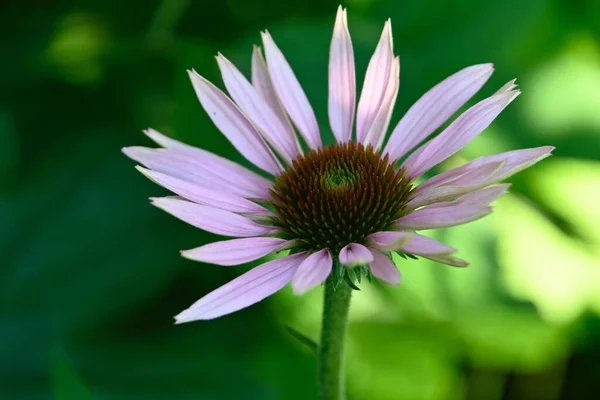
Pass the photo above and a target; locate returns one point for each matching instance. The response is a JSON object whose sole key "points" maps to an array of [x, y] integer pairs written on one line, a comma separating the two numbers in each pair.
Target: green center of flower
{"points": [[338, 195]]}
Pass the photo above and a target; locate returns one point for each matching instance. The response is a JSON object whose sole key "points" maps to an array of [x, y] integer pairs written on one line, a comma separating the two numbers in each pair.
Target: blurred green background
{"points": [[91, 275]]}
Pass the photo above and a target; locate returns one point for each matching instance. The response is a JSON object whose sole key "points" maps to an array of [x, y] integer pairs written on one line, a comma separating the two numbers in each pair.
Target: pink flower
{"points": [[342, 208]]}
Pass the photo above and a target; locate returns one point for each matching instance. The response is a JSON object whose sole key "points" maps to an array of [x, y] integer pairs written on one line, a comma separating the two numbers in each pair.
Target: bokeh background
{"points": [[90, 273]]}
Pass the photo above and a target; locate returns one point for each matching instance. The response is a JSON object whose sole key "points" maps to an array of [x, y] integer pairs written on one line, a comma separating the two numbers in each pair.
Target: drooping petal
{"points": [[484, 196], [432, 217], [464, 129], [234, 125], [423, 245], [447, 259], [245, 290], [202, 195], [383, 268], [512, 162], [388, 240], [435, 107], [203, 168], [312, 271], [376, 80], [291, 94], [378, 129], [342, 81], [170, 143], [212, 219], [264, 87], [508, 86], [467, 208], [515, 161], [236, 251], [469, 181], [354, 254], [279, 135]]}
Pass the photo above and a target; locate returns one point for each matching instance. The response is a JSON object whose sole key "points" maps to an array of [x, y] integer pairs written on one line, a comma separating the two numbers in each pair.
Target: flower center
{"points": [[338, 195]]}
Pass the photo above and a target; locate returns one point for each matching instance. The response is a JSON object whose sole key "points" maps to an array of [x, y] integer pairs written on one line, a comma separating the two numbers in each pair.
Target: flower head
{"points": [[340, 209]]}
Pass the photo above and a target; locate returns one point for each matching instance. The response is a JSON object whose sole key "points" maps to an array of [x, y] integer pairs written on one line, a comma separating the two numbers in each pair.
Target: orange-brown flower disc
{"points": [[338, 195]]}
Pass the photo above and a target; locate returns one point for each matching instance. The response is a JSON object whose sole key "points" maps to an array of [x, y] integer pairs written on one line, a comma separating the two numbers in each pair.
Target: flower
{"points": [[340, 209]]}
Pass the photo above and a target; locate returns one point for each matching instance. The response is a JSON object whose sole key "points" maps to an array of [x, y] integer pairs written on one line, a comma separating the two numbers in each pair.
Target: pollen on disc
{"points": [[338, 195]]}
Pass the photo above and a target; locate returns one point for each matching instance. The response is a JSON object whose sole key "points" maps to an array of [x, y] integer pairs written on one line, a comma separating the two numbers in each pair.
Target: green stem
{"points": [[333, 340]]}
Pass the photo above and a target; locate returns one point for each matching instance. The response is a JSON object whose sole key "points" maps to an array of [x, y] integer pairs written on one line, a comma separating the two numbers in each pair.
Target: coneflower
{"points": [[339, 210]]}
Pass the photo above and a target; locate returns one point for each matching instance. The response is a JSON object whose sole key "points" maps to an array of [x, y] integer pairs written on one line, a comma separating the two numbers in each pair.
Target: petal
{"points": [[202, 195], [448, 260], [313, 271], [513, 162], [234, 125], [467, 208], [464, 129], [354, 255], [291, 94], [264, 87], [203, 168], [469, 181], [374, 87], [212, 219], [384, 269], [484, 196], [508, 86], [236, 251], [279, 135], [423, 245], [169, 143], [435, 107], [245, 290], [389, 240], [381, 122], [342, 81], [439, 217]]}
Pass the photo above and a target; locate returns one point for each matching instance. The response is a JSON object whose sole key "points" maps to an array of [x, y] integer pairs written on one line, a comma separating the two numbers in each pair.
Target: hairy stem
{"points": [[333, 341]]}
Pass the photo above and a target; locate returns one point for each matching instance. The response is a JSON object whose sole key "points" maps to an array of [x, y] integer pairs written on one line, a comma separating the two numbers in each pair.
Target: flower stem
{"points": [[333, 340]]}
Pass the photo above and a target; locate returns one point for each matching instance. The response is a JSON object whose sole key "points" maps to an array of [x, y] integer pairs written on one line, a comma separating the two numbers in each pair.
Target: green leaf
{"points": [[305, 340]]}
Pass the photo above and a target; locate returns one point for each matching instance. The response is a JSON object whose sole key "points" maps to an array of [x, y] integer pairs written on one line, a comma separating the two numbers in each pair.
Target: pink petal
{"points": [[384, 269], [448, 260], [467, 208], [515, 161], [354, 255], [169, 143], [245, 290], [313, 271], [389, 240], [433, 217], [279, 135], [202, 195], [464, 129], [510, 85], [204, 169], [291, 94], [469, 181], [234, 125], [484, 196], [511, 161], [381, 122], [376, 80], [212, 219], [435, 107], [423, 245], [236, 251], [264, 87], [342, 82]]}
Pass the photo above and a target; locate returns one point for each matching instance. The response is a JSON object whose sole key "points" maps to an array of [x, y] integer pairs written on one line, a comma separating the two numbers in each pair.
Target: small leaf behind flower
{"points": [[305, 340]]}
